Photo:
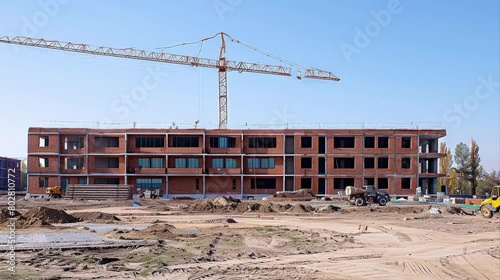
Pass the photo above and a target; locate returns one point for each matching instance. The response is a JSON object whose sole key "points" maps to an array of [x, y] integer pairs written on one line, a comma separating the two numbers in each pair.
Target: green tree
{"points": [[474, 170], [462, 159], [487, 181], [24, 175], [453, 181], [445, 164]]}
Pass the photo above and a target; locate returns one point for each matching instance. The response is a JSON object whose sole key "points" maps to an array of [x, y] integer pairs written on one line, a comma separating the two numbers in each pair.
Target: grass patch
{"points": [[233, 242]]}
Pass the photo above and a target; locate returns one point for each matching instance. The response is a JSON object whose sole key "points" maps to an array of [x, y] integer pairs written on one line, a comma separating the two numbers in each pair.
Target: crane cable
{"points": [[275, 57]]}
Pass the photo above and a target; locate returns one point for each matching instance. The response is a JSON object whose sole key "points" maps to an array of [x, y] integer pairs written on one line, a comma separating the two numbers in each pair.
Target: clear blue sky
{"points": [[399, 61]]}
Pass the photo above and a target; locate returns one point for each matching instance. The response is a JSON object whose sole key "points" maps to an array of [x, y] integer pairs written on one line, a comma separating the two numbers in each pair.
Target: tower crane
{"points": [[221, 64]]}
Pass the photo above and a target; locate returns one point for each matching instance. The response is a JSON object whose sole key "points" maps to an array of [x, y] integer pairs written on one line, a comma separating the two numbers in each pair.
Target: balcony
{"points": [[223, 151], [224, 171], [173, 171], [432, 155], [146, 170]]}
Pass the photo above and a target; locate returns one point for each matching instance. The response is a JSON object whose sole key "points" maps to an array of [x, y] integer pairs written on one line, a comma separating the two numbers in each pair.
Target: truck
{"points": [[491, 204], [366, 195]]}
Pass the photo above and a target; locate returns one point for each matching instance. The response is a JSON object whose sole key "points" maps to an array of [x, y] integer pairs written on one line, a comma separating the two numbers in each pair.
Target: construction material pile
{"points": [[98, 192], [217, 203], [96, 217], [37, 217], [300, 195]]}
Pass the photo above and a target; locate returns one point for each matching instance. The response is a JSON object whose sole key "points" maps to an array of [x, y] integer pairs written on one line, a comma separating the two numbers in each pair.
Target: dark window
{"points": [[150, 162], [234, 184], [383, 163], [263, 183], [73, 143], [369, 181], [405, 183], [257, 142], [222, 142], [383, 142], [306, 142], [306, 183], [107, 181], [343, 163], [197, 186], [106, 162], [43, 141], [74, 163], [343, 142], [185, 141], [152, 184], [383, 183], [406, 142], [406, 163], [107, 142], [369, 142], [82, 181], [369, 163], [342, 183], [186, 163], [264, 163], [306, 162], [150, 142], [43, 182]]}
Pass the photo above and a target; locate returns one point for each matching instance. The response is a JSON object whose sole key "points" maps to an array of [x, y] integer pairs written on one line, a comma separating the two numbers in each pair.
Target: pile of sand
{"points": [[217, 203], [94, 217], [302, 193], [50, 215], [327, 209], [301, 208], [6, 215], [37, 217], [156, 231]]}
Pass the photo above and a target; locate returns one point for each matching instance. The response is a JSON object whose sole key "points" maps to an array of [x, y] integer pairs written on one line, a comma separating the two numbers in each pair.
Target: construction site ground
{"points": [[219, 238]]}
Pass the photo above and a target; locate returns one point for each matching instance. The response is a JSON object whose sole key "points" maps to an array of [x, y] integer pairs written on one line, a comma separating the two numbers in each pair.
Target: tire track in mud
{"points": [[401, 236], [480, 265], [424, 269]]}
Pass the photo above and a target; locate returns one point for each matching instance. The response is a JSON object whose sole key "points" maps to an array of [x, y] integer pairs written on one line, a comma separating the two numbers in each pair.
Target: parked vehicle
{"points": [[366, 195], [491, 204]]}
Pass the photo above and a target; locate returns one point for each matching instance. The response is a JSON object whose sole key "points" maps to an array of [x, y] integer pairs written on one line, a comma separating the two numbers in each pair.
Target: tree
{"points": [[453, 181], [462, 159], [487, 181], [24, 176], [444, 164], [474, 170]]}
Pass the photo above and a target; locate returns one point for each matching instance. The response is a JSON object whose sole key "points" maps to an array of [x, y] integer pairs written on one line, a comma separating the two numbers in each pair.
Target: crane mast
{"points": [[221, 63]]}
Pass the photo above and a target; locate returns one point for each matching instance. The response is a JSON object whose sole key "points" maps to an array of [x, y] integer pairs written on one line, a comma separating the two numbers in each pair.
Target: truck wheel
{"points": [[487, 213], [382, 201], [359, 201]]}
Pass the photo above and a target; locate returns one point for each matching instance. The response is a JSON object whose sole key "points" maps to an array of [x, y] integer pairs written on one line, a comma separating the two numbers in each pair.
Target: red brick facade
{"points": [[197, 162]]}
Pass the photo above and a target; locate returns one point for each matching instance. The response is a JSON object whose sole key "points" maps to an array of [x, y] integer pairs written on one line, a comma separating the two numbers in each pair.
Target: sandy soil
{"points": [[392, 242]]}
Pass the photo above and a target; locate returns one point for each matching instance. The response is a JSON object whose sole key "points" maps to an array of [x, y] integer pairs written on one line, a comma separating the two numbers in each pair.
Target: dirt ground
{"points": [[224, 239]]}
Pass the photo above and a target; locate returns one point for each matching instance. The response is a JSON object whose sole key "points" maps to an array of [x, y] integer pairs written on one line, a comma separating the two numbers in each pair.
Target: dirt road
{"points": [[393, 242]]}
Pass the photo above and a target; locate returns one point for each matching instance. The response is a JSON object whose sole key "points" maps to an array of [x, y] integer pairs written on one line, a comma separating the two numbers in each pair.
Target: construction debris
{"points": [[96, 217]]}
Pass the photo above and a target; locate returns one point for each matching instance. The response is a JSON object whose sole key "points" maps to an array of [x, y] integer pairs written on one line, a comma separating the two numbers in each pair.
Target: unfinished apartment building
{"points": [[199, 163]]}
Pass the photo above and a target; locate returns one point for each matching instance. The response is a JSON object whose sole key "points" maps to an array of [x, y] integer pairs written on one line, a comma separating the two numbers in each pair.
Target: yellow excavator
{"points": [[491, 204], [54, 192]]}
